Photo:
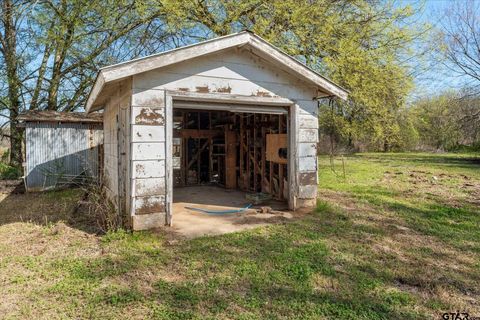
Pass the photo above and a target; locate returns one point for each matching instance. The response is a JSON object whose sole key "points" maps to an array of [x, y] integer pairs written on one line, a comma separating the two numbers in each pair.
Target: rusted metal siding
{"points": [[59, 153]]}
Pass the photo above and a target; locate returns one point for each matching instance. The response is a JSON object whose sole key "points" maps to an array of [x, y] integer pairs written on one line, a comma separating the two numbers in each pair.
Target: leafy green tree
{"points": [[51, 50], [359, 44], [409, 137], [448, 120], [434, 122]]}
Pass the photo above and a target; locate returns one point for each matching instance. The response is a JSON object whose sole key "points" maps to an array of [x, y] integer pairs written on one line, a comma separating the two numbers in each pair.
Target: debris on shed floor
{"points": [[191, 224]]}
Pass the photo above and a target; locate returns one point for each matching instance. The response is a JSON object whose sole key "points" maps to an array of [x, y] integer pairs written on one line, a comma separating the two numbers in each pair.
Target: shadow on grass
{"points": [[292, 270], [471, 161], [45, 208], [455, 225]]}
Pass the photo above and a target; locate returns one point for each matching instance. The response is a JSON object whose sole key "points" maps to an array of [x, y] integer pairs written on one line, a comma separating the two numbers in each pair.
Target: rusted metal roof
{"points": [[56, 116]]}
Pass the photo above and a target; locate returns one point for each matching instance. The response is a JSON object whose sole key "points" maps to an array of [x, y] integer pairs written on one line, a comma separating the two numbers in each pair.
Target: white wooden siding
{"points": [[234, 72], [148, 133], [110, 151], [148, 151], [149, 169], [121, 99], [148, 158], [230, 72]]}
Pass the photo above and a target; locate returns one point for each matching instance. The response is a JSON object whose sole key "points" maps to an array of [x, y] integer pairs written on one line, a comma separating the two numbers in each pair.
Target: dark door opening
{"points": [[245, 151]]}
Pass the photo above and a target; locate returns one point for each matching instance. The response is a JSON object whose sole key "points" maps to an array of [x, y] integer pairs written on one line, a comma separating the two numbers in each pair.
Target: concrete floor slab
{"points": [[191, 224]]}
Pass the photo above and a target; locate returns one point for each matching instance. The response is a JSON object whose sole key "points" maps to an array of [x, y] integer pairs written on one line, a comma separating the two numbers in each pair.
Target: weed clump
{"points": [[100, 209]]}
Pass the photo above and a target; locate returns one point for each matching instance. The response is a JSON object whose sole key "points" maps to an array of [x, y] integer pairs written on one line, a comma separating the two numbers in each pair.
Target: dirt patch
{"points": [[8, 187], [264, 218]]}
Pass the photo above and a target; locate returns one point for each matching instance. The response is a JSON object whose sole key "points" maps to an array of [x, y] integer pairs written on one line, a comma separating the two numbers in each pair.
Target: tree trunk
{"points": [[386, 146], [11, 62], [16, 138]]}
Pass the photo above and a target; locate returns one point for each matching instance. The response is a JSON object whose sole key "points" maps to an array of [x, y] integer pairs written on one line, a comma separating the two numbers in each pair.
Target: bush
{"points": [[101, 209], [8, 172]]}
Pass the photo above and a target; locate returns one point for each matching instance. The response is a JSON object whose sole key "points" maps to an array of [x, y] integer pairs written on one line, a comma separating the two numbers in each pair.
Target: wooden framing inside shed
{"points": [[234, 111]]}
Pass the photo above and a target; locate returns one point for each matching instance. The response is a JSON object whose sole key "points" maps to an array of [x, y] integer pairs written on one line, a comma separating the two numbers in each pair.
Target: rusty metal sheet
{"points": [[56, 116]]}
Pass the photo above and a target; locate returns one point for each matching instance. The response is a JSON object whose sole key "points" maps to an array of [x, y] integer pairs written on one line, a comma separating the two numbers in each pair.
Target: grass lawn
{"points": [[397, 238]]}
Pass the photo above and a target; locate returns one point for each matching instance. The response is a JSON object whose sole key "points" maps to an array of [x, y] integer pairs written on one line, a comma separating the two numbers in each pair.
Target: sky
{"points": [[437, 77]]}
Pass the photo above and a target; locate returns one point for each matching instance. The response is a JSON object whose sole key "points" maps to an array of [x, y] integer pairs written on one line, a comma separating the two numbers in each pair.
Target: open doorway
{"points": [[228, 160], [232, 150]]}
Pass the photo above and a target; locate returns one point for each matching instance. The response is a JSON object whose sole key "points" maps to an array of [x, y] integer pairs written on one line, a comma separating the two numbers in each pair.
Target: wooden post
{"points": [[185, 149], [210, 149], [263, 153], [280, 166], [255, 163], [270, 162], [168, 159], [230, 159], [248, 154], [242, 154]]}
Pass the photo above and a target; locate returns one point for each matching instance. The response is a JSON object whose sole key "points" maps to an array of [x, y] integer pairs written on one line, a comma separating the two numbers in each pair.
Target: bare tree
{"points": [[460, 30]]}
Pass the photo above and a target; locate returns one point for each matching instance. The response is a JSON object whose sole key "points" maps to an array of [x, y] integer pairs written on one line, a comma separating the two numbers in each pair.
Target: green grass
{"points": [[435, 194], [397, 238]]}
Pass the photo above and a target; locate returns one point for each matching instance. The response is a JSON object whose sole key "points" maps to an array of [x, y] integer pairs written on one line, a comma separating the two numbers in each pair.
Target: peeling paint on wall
{"points": [[150, 187], [307, 178], [140, 169], [150, 116], [203, 89], [226, 89], [151, 204], [260, 93]]}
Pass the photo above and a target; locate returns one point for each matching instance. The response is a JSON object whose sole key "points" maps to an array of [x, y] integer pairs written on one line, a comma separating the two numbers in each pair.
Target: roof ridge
{"points": [[175, 49]]}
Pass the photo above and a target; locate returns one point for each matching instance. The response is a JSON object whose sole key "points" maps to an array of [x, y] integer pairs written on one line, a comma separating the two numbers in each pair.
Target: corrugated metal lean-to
{"points": [[58, 154]]}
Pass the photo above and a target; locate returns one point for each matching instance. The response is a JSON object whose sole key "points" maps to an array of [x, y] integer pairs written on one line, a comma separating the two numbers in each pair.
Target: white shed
{"points": [[234, 111]]}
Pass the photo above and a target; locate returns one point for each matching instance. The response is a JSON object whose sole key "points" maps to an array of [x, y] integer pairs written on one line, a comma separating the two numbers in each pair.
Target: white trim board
{"points": [[228, 107]]}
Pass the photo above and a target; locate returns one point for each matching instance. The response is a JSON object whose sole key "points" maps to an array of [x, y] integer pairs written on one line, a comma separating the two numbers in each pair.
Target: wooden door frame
{"points": [[123, 161]]}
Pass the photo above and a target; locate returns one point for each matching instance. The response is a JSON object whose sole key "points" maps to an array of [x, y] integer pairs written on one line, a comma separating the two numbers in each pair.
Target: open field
{"points": [[397, 238]]}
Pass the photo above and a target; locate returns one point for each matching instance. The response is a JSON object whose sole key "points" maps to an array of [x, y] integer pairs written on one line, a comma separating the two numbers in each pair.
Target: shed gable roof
{"points": [[259, 46]]}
